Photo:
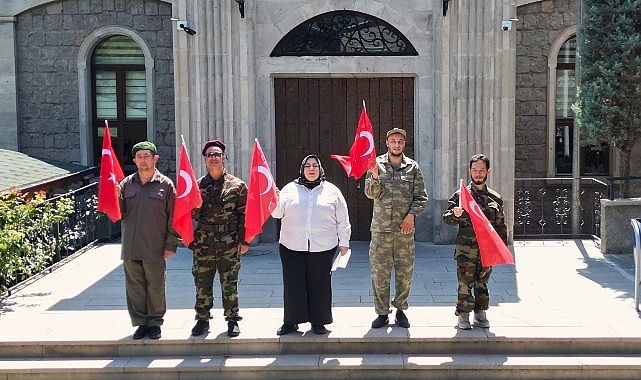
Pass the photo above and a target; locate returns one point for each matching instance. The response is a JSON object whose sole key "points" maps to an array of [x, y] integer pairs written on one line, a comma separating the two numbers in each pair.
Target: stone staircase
{"points": [[322, 357]]}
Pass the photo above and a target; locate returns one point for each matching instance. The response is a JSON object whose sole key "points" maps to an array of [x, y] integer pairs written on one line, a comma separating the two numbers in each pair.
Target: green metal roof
{"points": [[23, 171]]}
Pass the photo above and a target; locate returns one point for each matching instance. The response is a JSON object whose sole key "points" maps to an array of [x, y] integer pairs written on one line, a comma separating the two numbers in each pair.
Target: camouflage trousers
{"points": [[473, 294], [216, 252], [389, 250]]}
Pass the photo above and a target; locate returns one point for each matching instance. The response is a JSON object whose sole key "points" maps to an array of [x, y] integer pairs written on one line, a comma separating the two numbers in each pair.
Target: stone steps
{"points": [[293, 345], [296, 357], [314, 366]]}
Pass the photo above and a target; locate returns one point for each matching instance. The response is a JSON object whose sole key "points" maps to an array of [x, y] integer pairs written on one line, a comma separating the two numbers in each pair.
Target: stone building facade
{"points": [[543, 30], [476, 86]]}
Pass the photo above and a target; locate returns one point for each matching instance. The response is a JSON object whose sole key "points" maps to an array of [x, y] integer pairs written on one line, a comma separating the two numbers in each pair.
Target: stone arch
{"points": [[377, 9], [553, 53], [344, 32], [84, 83]]}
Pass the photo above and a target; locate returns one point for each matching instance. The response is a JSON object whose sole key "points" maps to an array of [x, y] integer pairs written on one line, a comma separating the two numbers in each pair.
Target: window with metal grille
{"points": [[344, 33]]}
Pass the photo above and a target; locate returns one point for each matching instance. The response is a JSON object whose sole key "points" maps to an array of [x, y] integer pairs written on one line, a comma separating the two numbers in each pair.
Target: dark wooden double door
{"points": [[320, 115]]}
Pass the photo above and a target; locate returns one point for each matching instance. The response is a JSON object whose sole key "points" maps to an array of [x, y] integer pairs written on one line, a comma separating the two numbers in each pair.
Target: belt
{"points": [[218, 227]]}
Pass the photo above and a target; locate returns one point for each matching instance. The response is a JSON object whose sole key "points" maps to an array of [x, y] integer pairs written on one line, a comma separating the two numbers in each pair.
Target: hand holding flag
{"points": [[261, 194], [362, 155], [187, 197], [110, 176], [493, 250]]}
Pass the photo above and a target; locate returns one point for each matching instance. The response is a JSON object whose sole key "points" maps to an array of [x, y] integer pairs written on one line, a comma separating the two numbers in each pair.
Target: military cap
{"points": [[396, 130], [144, 145], [217, 143]]}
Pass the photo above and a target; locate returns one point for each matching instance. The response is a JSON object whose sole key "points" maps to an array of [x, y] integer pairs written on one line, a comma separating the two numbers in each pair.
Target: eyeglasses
{"points": [[214, 154], [311, 166]]}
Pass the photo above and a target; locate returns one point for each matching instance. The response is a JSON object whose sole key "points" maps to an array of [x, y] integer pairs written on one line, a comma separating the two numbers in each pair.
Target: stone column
{"points": [[8, 106], [476, 78], [211, 71]]}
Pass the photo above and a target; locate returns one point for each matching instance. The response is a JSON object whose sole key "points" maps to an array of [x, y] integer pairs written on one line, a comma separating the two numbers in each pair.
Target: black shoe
{"points": [[380, 321], [401, 319], [319, 329], [140, 333], [286, 329], [200, 328], [153, 332], [233, 329]]}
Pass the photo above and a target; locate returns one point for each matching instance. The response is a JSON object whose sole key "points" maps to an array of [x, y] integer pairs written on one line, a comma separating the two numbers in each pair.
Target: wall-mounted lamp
{"points": [[182, 25], [241, 8], [446, 4]]}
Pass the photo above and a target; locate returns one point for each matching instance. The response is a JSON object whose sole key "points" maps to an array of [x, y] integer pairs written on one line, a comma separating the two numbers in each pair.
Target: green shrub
{"points": [[29, 233]]}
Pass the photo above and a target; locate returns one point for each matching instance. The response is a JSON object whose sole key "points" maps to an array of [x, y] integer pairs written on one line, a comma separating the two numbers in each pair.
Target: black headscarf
{"points": [[302, 180]]}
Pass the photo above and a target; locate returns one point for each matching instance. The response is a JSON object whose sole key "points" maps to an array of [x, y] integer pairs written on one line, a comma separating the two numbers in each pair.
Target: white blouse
{"points": [[312, 220]]}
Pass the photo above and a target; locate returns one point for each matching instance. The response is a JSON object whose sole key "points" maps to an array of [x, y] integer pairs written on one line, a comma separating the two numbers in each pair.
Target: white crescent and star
{"points": [[263, 170], [370, 140], [112, 176], [476, 209], [188, 183]]}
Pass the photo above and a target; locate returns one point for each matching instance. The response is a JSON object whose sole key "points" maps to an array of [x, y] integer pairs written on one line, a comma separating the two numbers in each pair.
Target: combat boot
{"points": [[464, 321], [480, 319]]}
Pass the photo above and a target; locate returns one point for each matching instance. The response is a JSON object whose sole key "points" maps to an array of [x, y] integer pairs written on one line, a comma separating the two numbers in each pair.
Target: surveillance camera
{"points": [[187, 30], [505, 27]]}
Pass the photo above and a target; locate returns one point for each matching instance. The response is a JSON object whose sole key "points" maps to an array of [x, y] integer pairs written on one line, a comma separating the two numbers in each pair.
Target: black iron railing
{"points": [[83, 228], [543, 207]]}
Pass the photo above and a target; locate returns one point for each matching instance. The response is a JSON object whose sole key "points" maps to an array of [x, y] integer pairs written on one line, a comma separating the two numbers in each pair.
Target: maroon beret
{"points": [[217, 143]]}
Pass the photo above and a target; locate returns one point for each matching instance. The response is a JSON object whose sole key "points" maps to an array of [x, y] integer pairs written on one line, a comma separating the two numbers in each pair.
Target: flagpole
{"points": [[459, 196], [365, 108]]}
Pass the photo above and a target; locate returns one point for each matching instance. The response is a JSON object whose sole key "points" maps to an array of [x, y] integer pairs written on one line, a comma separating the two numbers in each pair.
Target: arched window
{"points": [[119, 96], [344, 33], [594, 159]]}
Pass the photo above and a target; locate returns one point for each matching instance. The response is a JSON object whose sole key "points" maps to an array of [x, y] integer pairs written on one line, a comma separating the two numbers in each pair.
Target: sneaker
{"points": [[233, 329], [464, 321], [480, 319], [380, 321], [153, 332], [286, 329], [319, 329], [140, 333], [401, 319], [200, 328]]}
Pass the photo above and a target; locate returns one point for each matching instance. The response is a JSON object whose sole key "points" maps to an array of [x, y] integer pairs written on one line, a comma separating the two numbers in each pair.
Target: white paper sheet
{"points": [[341, 261]]}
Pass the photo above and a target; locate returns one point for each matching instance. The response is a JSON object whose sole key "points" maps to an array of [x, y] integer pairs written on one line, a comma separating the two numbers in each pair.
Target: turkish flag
{"points": [[261, 194], [493, 250], [362, 151], [187, 198], [110, 175]]}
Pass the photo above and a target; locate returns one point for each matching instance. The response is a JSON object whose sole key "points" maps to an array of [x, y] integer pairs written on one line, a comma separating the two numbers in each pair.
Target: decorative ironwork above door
{"points": [[344, 33]]}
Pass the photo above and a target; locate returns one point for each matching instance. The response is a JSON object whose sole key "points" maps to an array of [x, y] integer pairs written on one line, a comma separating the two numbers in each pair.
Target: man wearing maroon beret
{"points": [[219, 239]]}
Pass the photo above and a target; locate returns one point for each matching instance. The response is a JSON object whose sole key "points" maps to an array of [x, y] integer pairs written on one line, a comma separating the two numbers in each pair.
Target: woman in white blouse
{"points": [[314, 223]]}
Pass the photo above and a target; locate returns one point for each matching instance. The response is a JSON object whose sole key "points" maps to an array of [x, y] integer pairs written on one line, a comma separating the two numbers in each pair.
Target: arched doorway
{"points": [[119, 95]]}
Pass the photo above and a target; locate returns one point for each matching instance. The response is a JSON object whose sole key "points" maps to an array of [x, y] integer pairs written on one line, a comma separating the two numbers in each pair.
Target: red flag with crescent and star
{"points": [[363, 152], [187, 198], [493, 250], [261, 194], [110, 175]]}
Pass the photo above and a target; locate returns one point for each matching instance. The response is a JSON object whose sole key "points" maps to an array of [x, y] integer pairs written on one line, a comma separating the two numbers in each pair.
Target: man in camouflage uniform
{"points": [[219, 239], [396, 185], [472, 276]]}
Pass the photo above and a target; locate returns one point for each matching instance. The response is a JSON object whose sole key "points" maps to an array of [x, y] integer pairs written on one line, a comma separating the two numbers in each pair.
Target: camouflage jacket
{"points": [[492, 205], [224, 202], [396, 193]]}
